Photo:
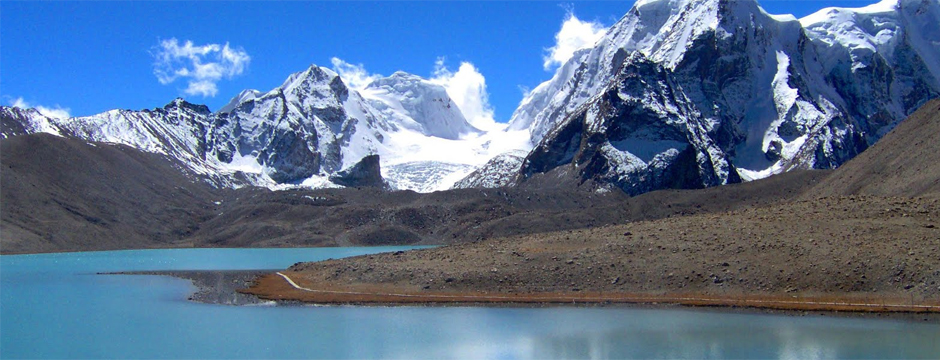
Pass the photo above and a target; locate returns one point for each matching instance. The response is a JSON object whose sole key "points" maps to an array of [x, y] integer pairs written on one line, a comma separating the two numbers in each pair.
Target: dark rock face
{"points": [[621, 139], [367, 172], [753, 96], [289, 157], [179, 103]]}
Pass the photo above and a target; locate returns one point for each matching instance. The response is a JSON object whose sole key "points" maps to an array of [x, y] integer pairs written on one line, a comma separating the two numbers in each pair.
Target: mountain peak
{"points": [[700, 7], [245, 95], [678, 4], [402, 74], [401, 80], [314, 73], [418, 104], [182, 103]]}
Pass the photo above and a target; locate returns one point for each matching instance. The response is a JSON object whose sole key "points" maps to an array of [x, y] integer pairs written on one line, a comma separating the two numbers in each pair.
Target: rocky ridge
{"points": [[691, 94]]}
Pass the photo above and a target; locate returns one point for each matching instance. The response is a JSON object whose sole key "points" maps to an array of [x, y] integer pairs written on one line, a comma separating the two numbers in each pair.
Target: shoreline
{"points": [[276, 287], [240, 288]]}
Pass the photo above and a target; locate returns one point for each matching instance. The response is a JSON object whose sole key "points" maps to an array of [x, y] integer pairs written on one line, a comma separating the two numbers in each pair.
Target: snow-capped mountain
{"points": [[313, 130], [179, 130], [309, 127], [693, 93], [418, 105], [676, 94], [432, 145], [890, 51], [245, 95], [500, 171], [16, 121]]}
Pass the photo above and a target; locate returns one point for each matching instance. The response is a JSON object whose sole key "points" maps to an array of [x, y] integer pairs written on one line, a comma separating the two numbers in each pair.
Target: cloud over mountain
{"points": [[574, 35], [467, 86], [57, 112], [202, 65]]}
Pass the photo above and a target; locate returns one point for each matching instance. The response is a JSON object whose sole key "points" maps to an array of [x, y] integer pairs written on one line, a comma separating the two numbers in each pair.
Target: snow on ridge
{"points": [[825, 14], [418, 104], [299, 133], [807, 120], [245, 95]]}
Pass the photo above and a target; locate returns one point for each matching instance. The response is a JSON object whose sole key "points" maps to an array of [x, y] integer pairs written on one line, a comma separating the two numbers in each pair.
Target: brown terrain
{"points": [[865, 238], [62, 194]]}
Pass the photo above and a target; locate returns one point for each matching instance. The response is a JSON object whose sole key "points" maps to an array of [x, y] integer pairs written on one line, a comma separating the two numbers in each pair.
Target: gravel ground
{"points": [[857, 248]]}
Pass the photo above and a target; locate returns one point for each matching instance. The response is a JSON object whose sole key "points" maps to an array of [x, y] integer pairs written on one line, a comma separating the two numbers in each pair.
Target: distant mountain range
{"points": [[299, 134], [677, 94]]}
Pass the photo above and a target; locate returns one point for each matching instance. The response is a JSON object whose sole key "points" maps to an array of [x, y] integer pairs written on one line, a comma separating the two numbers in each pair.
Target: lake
{"points": [[54, 306]]}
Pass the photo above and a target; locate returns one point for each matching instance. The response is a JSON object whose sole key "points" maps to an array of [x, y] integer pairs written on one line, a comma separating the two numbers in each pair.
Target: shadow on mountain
{"points": [[63, 194]]}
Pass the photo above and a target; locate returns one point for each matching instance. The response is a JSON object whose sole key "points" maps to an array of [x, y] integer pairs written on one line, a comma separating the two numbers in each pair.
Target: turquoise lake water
{"points": [[54, 306]]}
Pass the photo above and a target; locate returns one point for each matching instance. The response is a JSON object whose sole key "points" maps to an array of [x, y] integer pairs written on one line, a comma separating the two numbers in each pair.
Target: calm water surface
{"points": [[53, 306]]}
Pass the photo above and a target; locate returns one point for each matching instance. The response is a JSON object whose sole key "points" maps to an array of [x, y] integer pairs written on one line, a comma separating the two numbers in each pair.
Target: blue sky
{"points": [[90, 57]]}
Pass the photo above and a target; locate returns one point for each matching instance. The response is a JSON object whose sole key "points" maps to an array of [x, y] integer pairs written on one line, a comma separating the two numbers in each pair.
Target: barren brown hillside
{"points": [[906, 162], [864, 249]]}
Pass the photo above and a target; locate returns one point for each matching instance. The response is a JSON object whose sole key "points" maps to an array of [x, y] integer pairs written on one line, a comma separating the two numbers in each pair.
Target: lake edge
{"points": [[207, 293]]}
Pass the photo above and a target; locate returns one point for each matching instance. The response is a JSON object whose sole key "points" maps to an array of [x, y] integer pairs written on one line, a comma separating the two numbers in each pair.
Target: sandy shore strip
{"points": [[281, 286], [256, 287]]}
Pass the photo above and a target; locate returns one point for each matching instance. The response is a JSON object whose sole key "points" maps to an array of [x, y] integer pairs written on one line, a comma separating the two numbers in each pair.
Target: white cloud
{"points": [[573, 36], [203, 66], [355, 76], [57, 112], [467, 87]]}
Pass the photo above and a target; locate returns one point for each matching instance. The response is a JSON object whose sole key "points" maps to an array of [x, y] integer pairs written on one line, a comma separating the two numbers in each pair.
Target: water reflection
{"points": [[53, 308], [692, 335]]}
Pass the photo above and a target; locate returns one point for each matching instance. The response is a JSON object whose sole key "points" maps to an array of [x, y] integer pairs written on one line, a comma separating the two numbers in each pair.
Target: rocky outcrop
{"points": [[367, 172], [498, 172]]}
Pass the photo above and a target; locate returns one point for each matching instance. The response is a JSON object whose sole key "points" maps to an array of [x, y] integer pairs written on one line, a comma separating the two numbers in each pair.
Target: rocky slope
{"points": [[858, 253], [860, 248], [63, 194], [60, 194], [688, 93], [498, 172], [903, 163]]}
